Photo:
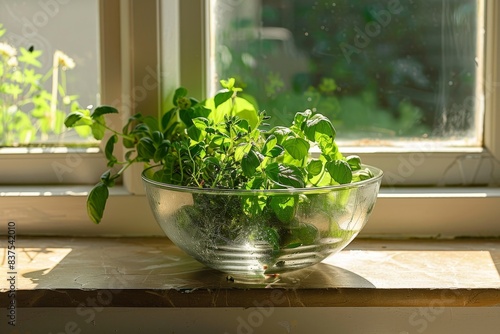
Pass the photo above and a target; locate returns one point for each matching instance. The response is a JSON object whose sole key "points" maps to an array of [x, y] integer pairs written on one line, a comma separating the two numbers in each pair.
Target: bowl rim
{"points": [[378, 174]]}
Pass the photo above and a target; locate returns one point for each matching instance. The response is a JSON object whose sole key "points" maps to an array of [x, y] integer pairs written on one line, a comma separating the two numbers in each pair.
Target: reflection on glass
{"points": [[50, 69], [383, 71]]}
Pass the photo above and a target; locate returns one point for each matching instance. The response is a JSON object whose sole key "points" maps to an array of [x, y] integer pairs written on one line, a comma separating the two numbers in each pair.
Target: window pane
{"points": [[35, 95], [386, 72]]}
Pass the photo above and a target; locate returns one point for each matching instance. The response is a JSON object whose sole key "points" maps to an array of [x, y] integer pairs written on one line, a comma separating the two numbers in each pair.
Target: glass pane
{"points": [[48, 67], [386, 72]]}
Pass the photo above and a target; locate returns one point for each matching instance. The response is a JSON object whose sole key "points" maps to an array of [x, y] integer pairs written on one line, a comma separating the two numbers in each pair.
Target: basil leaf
{"points": [[354, 161], [285, 175], [96, 202], [314, 167], [318, 125], [340, 171]]}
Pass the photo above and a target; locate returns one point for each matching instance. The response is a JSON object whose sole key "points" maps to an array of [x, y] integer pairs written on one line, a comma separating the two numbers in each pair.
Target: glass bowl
{"points": [[255, 233]]}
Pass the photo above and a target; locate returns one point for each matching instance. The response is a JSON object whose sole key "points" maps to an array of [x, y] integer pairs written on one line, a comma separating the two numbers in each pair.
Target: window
{"points": [[35, 147], [48, 73], [134, 79], [395, 76], [382, 71]]}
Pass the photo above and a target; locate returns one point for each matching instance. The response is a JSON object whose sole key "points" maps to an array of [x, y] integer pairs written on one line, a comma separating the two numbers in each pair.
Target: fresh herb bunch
{"points": [[222, 142]]}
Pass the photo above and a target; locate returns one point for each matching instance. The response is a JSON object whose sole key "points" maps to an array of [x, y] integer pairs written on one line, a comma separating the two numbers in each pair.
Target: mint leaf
{"points": [[103, 110], [98, 128], [108, 150], [73, 119]]}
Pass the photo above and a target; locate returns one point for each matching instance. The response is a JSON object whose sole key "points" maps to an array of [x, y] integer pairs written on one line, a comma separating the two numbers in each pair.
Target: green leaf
{"points": [[281, 133], [195, 133], [354, 161], [254, 205], [152, 123], [340, 171], [103, 110], [73, 118], [228, 84], [96, 202], [363, 174], [161, 151], [30, 58], [314, 167], [298, 148], [108, 150], [275, 151], [166, 119], [220, 141], [284, 207], [270, 143], [318, 125], [157, 137], [146, 148], [222, 97], [179, 93], [107, 179], [300, 117], [241, 150], [98, 128], [249, 163], [285, 175], [246, 110]]}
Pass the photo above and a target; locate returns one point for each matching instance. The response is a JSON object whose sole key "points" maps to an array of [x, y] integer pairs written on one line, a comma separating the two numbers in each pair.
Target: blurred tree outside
{"points": [[381, 70]]}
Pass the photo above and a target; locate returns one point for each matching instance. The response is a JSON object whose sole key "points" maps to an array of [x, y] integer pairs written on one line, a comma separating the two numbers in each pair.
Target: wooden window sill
{"points": [[82, 275]]}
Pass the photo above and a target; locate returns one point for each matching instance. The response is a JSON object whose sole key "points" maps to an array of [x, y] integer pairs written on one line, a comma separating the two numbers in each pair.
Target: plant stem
{"points": [[53, 100]]}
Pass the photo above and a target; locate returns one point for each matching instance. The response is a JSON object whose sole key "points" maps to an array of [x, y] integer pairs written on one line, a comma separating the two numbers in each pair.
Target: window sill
{"points": [[87, 278]]}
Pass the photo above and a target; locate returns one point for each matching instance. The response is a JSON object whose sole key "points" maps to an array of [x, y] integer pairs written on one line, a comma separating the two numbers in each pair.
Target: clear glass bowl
{"points": [[257, 233]]}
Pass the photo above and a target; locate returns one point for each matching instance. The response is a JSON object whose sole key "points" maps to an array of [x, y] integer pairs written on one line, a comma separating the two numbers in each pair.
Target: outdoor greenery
{"points": [[387, 69], [28, 111]]}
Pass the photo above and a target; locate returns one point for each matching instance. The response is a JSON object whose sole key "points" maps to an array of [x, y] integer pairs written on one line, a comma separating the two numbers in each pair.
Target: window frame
{"points": [[400, 211]]}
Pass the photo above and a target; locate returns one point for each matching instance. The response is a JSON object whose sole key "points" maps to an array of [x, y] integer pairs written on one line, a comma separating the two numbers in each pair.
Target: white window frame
{"points": [[429, 210]]}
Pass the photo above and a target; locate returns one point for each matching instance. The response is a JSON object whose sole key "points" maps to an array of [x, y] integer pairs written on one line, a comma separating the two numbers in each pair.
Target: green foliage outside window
{"points": [[29, 112]]}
